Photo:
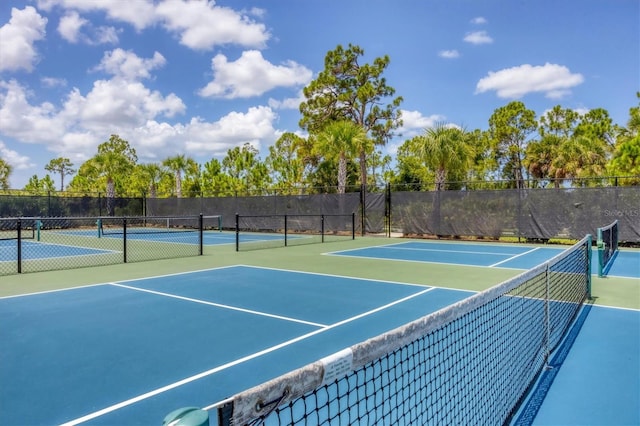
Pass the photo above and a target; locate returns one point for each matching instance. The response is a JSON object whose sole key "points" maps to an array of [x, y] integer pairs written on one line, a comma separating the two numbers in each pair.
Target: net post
{"points": [[600, 246], [220, 223], [589, 255], [38, 224], [99, 224], [285, 230], [201, 234], [237, 232], [322, 228], [124, 239], [353, 226], [19, 241]]}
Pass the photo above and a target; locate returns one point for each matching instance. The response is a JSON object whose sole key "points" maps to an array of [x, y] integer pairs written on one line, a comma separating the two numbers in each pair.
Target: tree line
{"points": [[349, 114]]}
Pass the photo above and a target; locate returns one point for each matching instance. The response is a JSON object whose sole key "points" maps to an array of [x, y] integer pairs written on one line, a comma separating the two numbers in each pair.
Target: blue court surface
{"points": [[626, 263], [130, 352], [208, 237], [32, 250]]}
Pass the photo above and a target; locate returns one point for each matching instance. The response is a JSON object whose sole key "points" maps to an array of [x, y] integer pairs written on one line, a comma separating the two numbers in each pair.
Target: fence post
{"points": [[19, 241], [237, 232], [201, 233], [363, 209], [285, 230], [387, 209], [124, 238]]}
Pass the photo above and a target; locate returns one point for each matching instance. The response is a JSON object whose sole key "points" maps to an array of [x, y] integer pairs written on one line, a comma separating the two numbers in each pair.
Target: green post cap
{"points": [[187, 416]]}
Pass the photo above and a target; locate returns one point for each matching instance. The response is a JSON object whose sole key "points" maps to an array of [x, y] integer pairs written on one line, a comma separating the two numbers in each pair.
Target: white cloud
{"points": [[17, 39], [203, 25], [70, 25], [555, 81], [478, 37], [126, 64], [139, 13], [135, 113], [288, 103], [23, 121], [251, 75], [71, 29], [17, 161], [414, 123], [479, 20], [449, 54], [53, 82], [235, 129], [200, 25]]}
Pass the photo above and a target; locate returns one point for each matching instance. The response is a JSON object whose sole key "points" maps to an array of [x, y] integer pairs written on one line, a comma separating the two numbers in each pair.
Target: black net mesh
{"points": [[470, 363]]}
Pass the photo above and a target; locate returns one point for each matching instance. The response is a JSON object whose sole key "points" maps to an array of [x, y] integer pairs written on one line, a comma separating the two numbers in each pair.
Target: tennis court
{"points": [[626, 264], [127, 344]]}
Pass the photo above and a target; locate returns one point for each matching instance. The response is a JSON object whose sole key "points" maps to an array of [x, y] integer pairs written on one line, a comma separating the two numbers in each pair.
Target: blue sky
{"points": [[198, 78]]}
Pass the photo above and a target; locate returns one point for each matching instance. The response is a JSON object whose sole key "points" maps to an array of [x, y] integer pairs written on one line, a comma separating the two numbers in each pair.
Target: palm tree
{"points": [[579, 157], [149, 176], [115, 160], [5, 172], [343, 140], [445, 150], [178, 164]]}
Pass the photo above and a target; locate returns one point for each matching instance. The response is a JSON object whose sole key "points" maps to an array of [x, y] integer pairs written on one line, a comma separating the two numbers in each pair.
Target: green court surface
{"points": [[608, 291]]}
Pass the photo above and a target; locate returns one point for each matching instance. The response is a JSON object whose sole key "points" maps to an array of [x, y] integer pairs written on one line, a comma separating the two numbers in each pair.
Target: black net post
{"points": [[237, 232], [19, 241], [285, 230], [201, 234], [363, 209], [353, 226], [124, 239], [387, 209], [322, 228]]}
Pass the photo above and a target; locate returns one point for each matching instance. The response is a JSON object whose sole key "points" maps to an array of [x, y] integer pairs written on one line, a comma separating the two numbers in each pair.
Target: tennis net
{"points": [[470, 363], [18, 228], [279, 230], [157, 224], [607, 243]]}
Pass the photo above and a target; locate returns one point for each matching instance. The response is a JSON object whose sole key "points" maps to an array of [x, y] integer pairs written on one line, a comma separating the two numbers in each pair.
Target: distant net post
{"points": [[607, 243]]}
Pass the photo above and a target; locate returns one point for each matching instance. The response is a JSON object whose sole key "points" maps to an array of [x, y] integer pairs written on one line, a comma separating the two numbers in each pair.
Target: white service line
{"points": [[219, 305], [513, 257], [236, 362]]}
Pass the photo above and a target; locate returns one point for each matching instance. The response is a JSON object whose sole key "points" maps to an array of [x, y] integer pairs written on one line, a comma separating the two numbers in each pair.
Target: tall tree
{"points": [[445, 150], [5, 172], [348, 90], [626, 156], [556, 127], [285, 162], [579, 157], [509, 127], [147, 178], [179, 164], [37, 186], [62, 166], [111, 167], [246, 171], [343, 140]]}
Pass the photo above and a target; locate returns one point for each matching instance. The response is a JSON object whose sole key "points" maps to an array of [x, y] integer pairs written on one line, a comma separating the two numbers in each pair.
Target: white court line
{"points": [[513, 257], [234, 363], [219, 305], [449, 251]]}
